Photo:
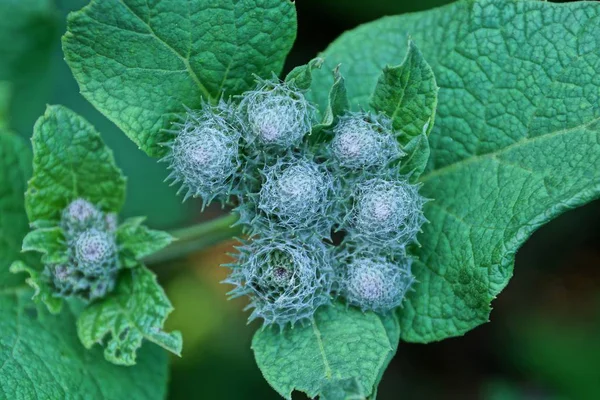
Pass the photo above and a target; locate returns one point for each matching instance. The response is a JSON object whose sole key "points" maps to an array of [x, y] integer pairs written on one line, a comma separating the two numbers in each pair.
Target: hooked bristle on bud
{"points": [[296, 195], [277, 114], [204, 155], [386, 212], [374, 283], [364, 141], [286, 279]]}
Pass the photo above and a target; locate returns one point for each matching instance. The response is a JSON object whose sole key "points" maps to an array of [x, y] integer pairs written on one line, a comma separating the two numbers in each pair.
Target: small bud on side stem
{"points": [[90, 271]]}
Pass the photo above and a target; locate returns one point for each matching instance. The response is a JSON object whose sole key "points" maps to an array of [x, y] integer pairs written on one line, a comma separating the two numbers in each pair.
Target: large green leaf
{"points": [[516, 140], [341, 352], [140, 64], [40, 354], [70, 161], [42, 358]]}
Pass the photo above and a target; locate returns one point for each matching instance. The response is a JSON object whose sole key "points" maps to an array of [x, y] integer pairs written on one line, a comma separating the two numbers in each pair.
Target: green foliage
{"points": [[30, 25], [15, 169], [336, 105], [28, 28], [5, 89], [40, 354], [137, 241], [329, 360], [72, 163], [42, 358], [136, 310], [144, 69], [301, 77], [341, 350], [515, 141], [408, 95]]}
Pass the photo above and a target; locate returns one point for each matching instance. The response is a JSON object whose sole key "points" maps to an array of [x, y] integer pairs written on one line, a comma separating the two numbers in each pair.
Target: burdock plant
{"points": [[326, 177]]}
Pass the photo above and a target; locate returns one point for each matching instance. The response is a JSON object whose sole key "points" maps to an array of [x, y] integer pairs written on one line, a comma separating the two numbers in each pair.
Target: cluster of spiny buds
{"points": [[89, 266], [292, 195]]}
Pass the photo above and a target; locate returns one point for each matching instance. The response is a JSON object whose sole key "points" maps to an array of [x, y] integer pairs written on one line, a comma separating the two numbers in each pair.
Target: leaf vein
{"points": [[186, 61], [494, 154]]}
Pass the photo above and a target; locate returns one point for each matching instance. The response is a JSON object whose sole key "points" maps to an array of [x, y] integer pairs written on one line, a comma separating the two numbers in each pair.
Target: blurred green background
{"points": [[542, 342]]}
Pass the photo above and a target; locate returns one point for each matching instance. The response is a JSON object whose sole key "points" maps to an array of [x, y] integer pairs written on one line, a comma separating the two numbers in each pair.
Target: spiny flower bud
{"points": [[375, 283], [286, 280], [79, 215], [95, 250], [93, 262], [70, 281], [364, 141], [277, 114], [387, 211], [296, 192], [203, 155]]}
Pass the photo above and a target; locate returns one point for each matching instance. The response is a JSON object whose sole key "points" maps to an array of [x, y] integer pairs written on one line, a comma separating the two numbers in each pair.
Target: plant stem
{"points": [[196, 237]]}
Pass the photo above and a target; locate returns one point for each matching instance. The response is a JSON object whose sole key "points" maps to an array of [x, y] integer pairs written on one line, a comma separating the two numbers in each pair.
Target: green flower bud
{"points": [[286, 280], [277, 114], [204, 155], [363, 141]]}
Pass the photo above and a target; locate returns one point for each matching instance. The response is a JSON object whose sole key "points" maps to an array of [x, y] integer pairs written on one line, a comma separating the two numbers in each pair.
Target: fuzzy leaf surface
{"points": [[301, 76], [136, 310], [416, 156], [48, 241], [516, 140], [341, 351], [40, 354], [141, 63], [407, 94], [42, 358], [70, 161]]}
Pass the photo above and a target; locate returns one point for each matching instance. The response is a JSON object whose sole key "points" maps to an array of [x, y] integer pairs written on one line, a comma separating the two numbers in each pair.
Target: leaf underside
{"points": [[516, 140], [141, 64]]}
